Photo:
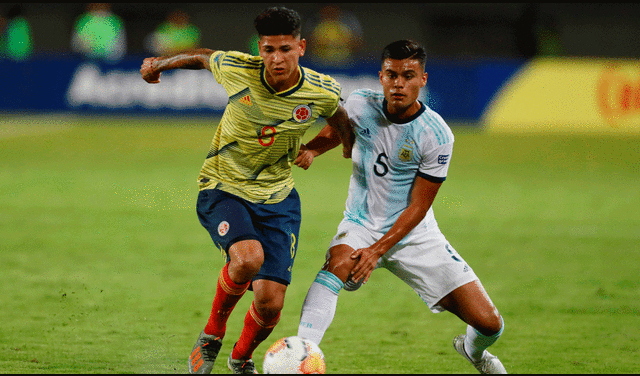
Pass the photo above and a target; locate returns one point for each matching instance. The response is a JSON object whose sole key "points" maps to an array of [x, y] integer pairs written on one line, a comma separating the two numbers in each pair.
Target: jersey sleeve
{"points": [[436, 149], [333, 89], [215, 62], [435, 163], [349, 103], [354, 106]]}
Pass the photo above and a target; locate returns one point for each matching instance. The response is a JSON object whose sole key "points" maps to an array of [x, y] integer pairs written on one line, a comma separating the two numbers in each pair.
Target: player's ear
{"points": [[303, 46], [424, 79], [260, 46]]}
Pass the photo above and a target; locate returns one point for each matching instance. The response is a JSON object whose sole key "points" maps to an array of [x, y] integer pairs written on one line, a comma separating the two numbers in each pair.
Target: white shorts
{"points": [[432, 268]]}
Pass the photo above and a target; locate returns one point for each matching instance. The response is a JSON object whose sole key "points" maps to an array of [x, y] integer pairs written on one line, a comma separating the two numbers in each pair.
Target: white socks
{"points": [[475, 342], [319, 306], [319, 309]]}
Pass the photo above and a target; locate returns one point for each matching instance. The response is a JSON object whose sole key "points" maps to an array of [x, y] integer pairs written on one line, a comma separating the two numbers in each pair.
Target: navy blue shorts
{"points": [[230, 219]]}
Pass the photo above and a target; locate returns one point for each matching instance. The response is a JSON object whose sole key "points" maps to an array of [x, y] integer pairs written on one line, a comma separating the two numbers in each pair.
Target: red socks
{"points": [[228, 293], [255, 331]]}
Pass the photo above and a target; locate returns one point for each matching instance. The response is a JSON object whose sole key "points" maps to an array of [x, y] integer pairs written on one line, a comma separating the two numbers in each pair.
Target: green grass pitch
{"points": [[104, 267]]}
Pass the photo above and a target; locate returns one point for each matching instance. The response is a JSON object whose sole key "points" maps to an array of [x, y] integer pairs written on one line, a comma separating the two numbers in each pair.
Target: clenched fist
{"points": [[148, 72]]}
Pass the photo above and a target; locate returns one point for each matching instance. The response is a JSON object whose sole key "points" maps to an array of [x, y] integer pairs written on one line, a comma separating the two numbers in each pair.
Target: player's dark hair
{"points": [[405, 49], [278, 21]]}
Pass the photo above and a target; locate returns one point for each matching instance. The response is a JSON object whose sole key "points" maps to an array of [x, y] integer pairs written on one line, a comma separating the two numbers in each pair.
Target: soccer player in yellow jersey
{"points": [[247, 199]]}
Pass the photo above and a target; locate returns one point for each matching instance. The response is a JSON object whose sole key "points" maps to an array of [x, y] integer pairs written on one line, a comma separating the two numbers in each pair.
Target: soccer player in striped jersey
{"points": [[247, 199], [400, 159]]}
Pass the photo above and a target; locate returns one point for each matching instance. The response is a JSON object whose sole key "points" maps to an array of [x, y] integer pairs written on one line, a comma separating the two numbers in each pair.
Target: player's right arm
{"points": [[193, 59], [423, 193]]}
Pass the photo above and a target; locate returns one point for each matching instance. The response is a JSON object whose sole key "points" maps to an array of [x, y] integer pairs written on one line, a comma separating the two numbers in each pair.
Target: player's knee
{"points": [[249, 266], [247, 257], [340, 267]]}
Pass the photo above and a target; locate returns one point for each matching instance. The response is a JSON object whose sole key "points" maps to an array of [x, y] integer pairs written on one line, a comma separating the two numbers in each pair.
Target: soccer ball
{"points": [[294, 355]]}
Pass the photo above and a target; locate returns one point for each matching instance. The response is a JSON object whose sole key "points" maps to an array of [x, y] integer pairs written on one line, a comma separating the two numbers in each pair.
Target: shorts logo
{"points": [[442, 159], [302, 113], [223, 228], [342, 235]]}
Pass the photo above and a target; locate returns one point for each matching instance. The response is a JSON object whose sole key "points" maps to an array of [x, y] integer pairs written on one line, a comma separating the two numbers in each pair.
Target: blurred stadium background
{"points": [[504, 65], [101, 253]]}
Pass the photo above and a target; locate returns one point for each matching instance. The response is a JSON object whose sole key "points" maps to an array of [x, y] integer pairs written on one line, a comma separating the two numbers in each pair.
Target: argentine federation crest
{"points": [[405, 154]]}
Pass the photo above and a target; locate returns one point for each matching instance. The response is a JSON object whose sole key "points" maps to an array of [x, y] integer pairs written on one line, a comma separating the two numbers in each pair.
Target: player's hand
{"points": [[367, 260], [305, 157], [148, 72]]}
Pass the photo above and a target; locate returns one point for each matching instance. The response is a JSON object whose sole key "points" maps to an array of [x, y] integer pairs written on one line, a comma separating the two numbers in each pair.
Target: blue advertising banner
{"points": [[458, 91]]}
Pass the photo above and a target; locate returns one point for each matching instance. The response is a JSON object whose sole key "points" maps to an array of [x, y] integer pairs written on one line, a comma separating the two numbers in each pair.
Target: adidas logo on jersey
{"points": [[246, 100], [365, 132]]}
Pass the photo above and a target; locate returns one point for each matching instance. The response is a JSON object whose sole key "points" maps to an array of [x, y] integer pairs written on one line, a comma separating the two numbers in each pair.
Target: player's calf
{"points": [[319, 307]]}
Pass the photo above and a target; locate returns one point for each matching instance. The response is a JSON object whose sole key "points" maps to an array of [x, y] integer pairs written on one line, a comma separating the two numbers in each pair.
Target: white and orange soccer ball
{"points": [[294, 355]]}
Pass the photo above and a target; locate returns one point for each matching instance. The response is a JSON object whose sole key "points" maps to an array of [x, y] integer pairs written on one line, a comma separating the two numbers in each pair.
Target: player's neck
{"points": [[404, 113], [282, 85]]}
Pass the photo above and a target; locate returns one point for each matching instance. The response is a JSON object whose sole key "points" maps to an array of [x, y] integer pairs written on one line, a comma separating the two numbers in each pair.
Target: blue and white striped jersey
{"points": [[387, 156]]}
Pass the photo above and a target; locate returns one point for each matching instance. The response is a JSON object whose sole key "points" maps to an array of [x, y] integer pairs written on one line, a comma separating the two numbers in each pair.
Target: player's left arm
{"points": [[326, 140], [423, 194]]}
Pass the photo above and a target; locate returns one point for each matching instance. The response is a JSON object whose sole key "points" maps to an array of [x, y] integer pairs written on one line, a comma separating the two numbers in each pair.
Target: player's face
{"points": [[401, 82], [281, 54]]}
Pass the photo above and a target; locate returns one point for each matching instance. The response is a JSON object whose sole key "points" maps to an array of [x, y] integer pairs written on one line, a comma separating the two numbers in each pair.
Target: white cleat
{"points": [[489, 364]]}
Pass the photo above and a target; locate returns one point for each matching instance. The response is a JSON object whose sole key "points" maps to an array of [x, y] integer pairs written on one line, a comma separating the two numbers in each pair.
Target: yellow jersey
{"points": [[259, 135]]}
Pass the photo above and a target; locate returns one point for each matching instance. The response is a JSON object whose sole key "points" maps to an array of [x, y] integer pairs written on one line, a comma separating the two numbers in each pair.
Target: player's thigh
{"points": [[226, 217], [431, 268], [278, 228], [349, 237]]}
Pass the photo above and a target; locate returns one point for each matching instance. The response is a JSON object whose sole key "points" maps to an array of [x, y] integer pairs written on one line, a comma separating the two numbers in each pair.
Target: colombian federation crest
{"points": [[223, 228], [302, 113]]}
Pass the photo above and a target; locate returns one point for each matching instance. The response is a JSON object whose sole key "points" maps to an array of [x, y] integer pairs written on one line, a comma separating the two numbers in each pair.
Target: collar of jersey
{"points": [[289, 91], [395, 120]]}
